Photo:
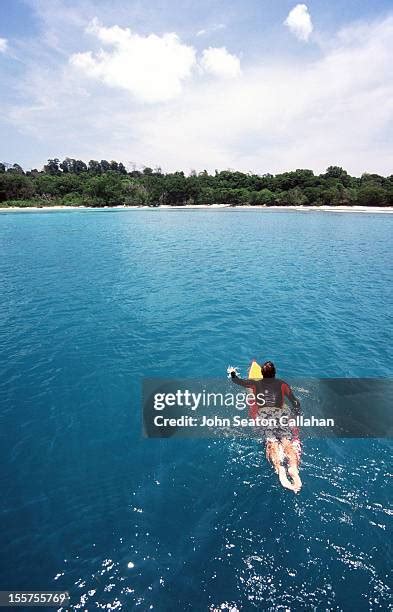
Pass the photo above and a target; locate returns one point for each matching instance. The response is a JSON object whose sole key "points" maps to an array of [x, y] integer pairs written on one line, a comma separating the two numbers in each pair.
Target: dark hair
{"points": [[268, 370]]}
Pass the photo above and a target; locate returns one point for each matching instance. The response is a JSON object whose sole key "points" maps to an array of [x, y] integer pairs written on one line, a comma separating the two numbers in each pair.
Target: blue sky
{"points": [[261, 86]]}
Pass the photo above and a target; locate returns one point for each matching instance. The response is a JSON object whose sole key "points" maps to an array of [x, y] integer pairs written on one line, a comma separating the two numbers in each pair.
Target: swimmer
{"points": [[281, 447]]}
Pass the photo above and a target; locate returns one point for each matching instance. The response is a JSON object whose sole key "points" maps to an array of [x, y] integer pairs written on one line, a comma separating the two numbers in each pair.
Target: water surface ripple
{"points": [[91, 302]]}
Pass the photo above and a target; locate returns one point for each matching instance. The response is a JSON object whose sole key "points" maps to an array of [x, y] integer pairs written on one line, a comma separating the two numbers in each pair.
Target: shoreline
{"points": [[335, 209]]}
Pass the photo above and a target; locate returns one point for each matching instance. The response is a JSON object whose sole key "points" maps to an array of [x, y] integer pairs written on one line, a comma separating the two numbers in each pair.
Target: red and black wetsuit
{"points": [[269, 393]]}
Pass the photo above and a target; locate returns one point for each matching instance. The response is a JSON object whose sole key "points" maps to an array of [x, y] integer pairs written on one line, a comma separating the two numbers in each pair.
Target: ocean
{"points": [[94, 301]]}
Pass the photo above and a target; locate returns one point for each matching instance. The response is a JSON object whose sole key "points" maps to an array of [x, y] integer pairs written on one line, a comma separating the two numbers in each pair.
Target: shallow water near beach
{"points": [[93, 301]]}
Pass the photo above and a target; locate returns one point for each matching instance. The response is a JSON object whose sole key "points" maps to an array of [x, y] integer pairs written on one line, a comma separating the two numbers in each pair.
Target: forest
{"points": [[72, 182]]}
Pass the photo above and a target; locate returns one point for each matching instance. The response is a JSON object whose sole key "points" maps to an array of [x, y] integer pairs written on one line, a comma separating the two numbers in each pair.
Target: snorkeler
{"points": [[281, 444]]}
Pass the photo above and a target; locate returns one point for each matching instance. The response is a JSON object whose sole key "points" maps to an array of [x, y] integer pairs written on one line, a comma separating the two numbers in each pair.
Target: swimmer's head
{"points": [[268, 370]]}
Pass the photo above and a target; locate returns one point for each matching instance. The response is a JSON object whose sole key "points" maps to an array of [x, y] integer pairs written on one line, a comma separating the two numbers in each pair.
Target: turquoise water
{"points": [[91, 302]]}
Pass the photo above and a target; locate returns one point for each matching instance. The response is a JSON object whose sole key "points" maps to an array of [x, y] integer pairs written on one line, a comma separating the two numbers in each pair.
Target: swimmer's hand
{"points": [[232, 372]]}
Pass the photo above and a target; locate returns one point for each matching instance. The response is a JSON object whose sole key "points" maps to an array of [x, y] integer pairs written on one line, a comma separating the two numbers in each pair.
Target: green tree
{"points": [[265, 197], [372, 195], [94, 167], [46, 185], [66, 165], [374, 179], [206, 196], [16, 169], [15, 187], [336, 172], [79, 166], [292, 197], [105, 190], [108, 183], [52, 167], [330, 196], [105, 165], [134, 194], [176, 189]]}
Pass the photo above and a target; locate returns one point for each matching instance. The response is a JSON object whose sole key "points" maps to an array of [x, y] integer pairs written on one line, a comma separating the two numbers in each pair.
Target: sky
{"points": [[252, 85]]}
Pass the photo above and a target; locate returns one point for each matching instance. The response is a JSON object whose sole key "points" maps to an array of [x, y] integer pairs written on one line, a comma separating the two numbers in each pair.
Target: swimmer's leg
{"points": [[293, 463], [274, 453]]}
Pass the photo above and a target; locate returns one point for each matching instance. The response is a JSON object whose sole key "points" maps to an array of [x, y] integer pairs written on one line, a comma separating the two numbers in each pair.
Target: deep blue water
{"points": [[91, 302]]}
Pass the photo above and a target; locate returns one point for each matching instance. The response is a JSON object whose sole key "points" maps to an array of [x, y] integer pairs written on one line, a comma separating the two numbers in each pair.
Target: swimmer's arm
{"points": [[290, 395], [243, 382]]}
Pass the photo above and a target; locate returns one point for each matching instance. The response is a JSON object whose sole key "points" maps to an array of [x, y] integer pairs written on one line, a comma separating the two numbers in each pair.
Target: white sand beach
{"points": [[227, 207]]}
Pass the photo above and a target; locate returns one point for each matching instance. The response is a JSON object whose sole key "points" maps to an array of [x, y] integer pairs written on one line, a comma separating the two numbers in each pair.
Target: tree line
{"points": [[72, 182]]}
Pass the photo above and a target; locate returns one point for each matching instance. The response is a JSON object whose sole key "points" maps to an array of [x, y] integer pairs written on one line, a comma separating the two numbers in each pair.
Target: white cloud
{"points": [[3, 45], [218, 62], [275, 116], [209, 30], [299, 22], [151, 67]]}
